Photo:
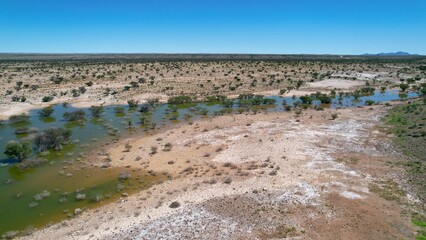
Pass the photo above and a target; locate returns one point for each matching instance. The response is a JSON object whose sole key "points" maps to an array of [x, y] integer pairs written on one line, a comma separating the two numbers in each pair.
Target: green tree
{"points": [[96, 111], [52, 138], [46, 112], [306, 99], [17, 150], [404, 86], [132, 103], [78, 115]]}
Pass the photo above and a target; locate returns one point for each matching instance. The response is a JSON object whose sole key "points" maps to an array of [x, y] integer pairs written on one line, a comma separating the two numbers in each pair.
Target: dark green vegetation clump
{"points": [[47, 99], [78, 115], [174, 205], [45, 112], [408, 123], [180, 100], [52, 138], [254, 100], [19, 118], [96, 111], [17, 150]]}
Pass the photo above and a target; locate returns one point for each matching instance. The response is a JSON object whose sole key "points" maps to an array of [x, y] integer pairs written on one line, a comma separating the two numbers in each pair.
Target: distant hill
{"points": [[391, 54]]}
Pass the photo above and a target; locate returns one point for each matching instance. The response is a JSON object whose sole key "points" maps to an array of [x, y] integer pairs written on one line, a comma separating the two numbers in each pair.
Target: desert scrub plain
{"points": [[35, 81], [323, 155]]}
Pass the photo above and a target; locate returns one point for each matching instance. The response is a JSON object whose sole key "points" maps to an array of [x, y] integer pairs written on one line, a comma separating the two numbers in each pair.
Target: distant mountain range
{"points": [[391, 54]]}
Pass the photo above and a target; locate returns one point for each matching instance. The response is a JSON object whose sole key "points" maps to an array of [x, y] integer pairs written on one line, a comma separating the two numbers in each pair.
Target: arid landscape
{"points": [[85, 81], [213, 147]]}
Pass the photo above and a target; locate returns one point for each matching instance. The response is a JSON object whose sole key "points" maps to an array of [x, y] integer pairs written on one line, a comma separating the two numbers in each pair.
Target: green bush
{"points": [[19, 118], [45, 112], [404, 86], [77, 115], [254, 100], [17, 150], [145, 108], [47, 99], [119, 110], [323, 97], [306, 99], [96, 111], [52, 138], [132, 103], [369, 102], [174, 205]]}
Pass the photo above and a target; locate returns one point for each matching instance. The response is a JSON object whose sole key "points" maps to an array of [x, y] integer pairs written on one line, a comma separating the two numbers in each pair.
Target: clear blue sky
{"points": [[214, 26]]}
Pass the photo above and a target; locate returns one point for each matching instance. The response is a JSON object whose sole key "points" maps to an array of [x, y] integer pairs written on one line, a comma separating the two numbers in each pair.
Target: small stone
{"points": [[77, 211]]}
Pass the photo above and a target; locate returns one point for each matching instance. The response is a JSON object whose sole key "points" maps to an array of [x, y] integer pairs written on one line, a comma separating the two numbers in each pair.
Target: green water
{"points": [[65, 171]]}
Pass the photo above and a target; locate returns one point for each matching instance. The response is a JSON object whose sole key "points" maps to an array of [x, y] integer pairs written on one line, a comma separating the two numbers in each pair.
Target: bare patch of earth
{"points": [[336, 83]]}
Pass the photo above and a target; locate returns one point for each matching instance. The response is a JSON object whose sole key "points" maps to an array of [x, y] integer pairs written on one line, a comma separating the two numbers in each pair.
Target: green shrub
{"points": [[19, 118], [52, 138], [17, 150], [77, 115], [404, 86], [45, 112], [47, 99], [132, 103], [19, 99], [119, 110], [306, 99], [369, 102], [145, 108], [253, 100], [56, 79], [174, 204], [96, 111], [323, 97]]}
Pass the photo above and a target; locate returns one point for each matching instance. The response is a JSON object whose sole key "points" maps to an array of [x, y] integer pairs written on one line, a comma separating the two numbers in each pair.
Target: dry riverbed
{"points": [[261, 176]]}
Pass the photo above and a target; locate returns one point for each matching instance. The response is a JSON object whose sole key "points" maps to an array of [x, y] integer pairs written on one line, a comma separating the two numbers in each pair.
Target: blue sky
{"points": [[219, 26]]}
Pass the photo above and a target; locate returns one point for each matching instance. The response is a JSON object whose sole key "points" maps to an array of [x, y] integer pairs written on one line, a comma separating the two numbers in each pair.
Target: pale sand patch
{"points": [[295, 92], [336, 83], [143, 97], [351, 195], [14, 108]]}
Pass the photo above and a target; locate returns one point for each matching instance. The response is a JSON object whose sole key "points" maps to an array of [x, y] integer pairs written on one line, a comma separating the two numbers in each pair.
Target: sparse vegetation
{"points": [[408, 123]]}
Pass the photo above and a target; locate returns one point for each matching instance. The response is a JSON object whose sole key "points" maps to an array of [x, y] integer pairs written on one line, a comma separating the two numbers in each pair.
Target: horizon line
{"points": [[205, 53]]}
